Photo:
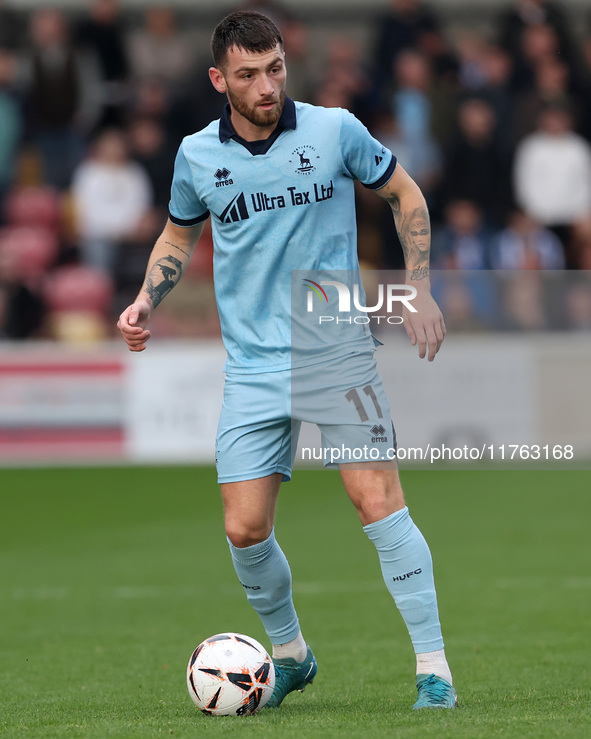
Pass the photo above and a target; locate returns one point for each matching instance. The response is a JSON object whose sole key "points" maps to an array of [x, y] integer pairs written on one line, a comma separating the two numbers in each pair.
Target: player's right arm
{"points": [[169, 259]]}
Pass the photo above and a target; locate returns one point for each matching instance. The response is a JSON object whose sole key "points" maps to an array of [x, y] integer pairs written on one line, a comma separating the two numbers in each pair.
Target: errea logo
{"points": [[378, 433], [222, 176]]}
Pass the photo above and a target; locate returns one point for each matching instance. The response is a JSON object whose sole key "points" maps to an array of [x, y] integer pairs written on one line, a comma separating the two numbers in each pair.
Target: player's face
{"points": [[255, 85]]}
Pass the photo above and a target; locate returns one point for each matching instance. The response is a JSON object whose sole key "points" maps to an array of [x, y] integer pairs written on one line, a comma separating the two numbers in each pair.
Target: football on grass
{"points": [[230, 675]]}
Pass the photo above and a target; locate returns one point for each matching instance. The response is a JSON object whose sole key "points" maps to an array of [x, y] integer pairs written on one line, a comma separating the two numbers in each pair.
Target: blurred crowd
{"points": [[494, 125]]}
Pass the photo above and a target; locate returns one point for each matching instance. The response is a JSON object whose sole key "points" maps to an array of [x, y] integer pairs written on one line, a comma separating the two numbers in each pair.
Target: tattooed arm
{"points": [[170, 256], [425, 327]]}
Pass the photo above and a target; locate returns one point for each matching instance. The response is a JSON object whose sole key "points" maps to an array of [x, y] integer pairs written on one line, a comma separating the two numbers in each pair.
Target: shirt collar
{"points": [[287, 120]]}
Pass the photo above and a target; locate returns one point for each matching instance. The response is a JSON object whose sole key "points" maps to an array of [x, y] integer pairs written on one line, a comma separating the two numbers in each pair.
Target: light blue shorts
{"points": [[262, 414]]}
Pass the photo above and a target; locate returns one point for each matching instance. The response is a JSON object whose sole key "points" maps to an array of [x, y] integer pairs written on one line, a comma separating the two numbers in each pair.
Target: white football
{"points": [[230, 675]]}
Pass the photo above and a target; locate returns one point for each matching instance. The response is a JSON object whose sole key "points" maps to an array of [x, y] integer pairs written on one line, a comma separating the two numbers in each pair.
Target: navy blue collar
{"points": [[287, 120]]}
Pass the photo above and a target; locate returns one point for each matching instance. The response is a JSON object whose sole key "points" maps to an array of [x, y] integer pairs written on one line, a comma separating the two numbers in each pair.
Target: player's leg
{"points": [[261, 566], [264, 573], [254, 453], [407, 569]]}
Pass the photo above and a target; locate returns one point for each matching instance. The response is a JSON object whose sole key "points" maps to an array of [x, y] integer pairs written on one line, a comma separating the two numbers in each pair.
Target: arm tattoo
{"points": [[177, 247], [163, 276], [414, 232]]}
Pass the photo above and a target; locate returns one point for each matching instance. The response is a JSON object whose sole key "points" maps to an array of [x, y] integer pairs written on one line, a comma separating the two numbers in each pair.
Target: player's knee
{"points": [[242, 534], [374, 505]]}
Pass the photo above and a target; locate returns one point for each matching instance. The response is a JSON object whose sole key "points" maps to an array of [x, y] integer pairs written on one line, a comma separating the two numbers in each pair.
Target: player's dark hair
{"points": [[246, 30]]}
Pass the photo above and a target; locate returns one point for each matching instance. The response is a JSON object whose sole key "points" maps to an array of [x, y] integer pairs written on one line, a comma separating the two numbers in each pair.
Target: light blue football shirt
{"points": [[278, 206]]}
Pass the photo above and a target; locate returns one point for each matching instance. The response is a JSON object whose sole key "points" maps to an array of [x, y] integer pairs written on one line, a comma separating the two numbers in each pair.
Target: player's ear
{"points": [[217, 79]]}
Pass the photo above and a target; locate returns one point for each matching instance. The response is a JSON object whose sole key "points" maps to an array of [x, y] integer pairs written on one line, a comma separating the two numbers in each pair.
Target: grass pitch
{"points": [[110, 577]]}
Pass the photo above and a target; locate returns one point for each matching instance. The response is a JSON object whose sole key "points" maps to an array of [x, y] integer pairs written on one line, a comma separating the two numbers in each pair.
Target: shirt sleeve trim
{"points": [[186, 222], [384, 178]]}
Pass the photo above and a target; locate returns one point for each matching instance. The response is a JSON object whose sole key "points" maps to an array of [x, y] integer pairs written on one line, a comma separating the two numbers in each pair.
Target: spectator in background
{"points": [[11, 122], [102, 32], [497, 92], [526, 245], [464, 241], [407, 25], [540, 43], [62, 101], [551, 87], [471, 49], [477, 167], [578, 304], [412, 106], [525, 15], [11, 30], [423, 163], [159, 49], [579, 244], [552, 173], [344, 81], [112, 196], [522, 302], [152, 150]]}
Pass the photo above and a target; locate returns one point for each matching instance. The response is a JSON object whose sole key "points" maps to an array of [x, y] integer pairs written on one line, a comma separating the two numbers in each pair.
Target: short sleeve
{"points": [[365, 159], [185, 208]]}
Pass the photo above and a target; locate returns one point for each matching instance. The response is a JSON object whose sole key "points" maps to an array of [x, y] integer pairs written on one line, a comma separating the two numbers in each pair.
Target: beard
{"points": [[256, 116]]}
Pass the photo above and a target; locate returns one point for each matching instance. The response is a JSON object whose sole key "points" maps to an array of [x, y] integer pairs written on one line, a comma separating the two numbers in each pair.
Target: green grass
{"points": [[110, 577]]}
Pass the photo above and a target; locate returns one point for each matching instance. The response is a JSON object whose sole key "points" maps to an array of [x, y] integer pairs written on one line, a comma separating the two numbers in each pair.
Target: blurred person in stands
{"points": [[524, 244], [521, 16], [412, 104], [112, 197], [522, 305], [423, 163], [21, 305], [540, 43], [578, 304], [11, 123], [344, 82], [552, 173], [159, 49], [497, 92], [551, 87], [151, 148], [579, 244], [471, 49], [102, 32], [464, 241], [477, 166], [406, 25], [62, 101], [11, 28]]}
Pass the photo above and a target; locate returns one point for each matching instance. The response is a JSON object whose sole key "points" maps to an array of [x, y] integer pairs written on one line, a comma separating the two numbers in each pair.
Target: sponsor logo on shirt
{"points": [[238, 208]]}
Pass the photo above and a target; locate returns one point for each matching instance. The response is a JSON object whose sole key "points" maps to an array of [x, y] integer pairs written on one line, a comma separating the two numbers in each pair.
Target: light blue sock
{"points": [[408, 573], [264, 574]]}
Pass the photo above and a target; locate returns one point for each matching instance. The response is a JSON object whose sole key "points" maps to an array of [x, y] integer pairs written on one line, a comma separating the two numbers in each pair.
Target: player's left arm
{"points": [[426, 327]]}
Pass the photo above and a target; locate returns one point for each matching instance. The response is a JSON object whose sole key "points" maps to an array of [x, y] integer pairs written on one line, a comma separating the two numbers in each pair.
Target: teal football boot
{"points": [[291, 675], [434, 692]]}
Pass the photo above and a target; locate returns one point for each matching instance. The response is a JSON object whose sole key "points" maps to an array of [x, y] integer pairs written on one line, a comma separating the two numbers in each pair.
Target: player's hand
{"points": [[426, 327], [132, 324]]}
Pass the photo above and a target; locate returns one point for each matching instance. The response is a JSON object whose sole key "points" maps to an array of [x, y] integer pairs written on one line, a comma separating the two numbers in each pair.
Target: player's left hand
{"points": [[426, 327]]}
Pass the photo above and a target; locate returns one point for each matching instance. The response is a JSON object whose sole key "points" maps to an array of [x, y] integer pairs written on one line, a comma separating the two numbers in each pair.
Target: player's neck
{"points": [[247, 130]]}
